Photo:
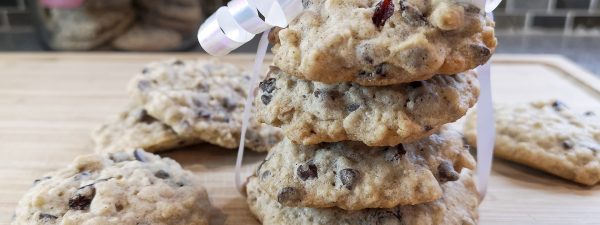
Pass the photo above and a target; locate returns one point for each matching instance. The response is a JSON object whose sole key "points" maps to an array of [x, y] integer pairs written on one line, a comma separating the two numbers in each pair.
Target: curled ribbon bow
{"points": [[232, 26], [237, 23]]}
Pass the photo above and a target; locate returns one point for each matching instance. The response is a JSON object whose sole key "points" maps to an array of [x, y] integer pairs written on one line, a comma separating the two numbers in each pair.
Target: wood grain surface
{"points": [[49, 103]]}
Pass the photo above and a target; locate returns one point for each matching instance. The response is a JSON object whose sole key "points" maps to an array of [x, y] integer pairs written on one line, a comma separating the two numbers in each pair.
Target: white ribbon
{"points": [[486, 131], [237, 23]]}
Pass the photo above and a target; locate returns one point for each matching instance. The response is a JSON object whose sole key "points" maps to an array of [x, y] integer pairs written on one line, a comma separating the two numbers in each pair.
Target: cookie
{"points": [[353, 176], [148, 38], [380, 42], [458, 206], [82, 29], [201, 99], [181, 10], [313, 112], [134, 128], [132, 187], [547, 136], [185, 28]]}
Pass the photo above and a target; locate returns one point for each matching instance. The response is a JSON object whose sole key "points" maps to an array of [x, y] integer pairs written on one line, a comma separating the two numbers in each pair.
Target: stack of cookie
{"points": [[362, 90], [161, 25], [89, 26], [177, 103], [133, 25]]}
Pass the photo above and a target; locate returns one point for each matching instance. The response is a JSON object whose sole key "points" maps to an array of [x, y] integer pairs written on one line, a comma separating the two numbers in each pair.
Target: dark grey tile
{"points": [[573, 4], [587, 22], [504, 21], [501, 6], [22, 41], [524, 5], [20, 19], [549, 22], [9, 3], [2, 22]]}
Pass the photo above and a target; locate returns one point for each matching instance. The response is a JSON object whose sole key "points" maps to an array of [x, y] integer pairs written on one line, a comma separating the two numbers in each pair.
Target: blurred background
{"points": [[567, 27]]}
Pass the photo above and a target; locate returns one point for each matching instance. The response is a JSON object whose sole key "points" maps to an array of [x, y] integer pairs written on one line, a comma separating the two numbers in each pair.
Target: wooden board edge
{"points": [[558, 62]]}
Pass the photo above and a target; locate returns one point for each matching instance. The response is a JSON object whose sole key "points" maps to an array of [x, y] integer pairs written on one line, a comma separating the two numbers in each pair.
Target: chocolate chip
{"points": [[558, 105], [427, 128], [119, 207], [145, 70], [589, 113], [394, 153], [317, 93], [229, 104], [389, 217], [178, 62], [349, 178], [412, 15], [568, 144], [266, 99], [162, 174], [306, 3], [268, 85], [139, 155], [47, 217], [381, 70], [144, 117], [383, 11], [363, 73], [143, 85], [82, 198], [289, 194], [308, 171], [333, 95], [416, 84], [446, 172], [265, 175], [481, 53], [203, 114], [352, 107], [41, 179]]}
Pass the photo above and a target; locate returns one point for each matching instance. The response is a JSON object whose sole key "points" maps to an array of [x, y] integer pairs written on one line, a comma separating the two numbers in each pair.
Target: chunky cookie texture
{"points": [[132, 187], [353, 176], [382, 42], [458, 206], [134, 128], [547, 136], [313, 112], [201, 99]]}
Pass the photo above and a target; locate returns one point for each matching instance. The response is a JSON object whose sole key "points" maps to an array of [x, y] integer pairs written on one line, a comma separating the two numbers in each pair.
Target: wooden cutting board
{"points": [[49, 103]]}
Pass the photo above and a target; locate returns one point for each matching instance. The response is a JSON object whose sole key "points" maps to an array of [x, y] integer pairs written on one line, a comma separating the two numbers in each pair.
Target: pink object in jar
{"points": [[62, 4]]}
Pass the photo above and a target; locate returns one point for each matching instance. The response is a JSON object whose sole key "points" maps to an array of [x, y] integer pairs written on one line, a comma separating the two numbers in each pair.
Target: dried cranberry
{"points": [[383, 11]]}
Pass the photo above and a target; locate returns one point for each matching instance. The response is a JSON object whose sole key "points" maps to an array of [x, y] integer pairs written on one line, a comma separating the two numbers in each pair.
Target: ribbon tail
{"points": [[257, 68], [486, 131]]}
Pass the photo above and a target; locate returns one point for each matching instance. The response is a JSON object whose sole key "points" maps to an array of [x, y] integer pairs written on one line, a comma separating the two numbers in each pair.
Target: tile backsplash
{"points": [[513, 16], [14, 16], [567, 16]]}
